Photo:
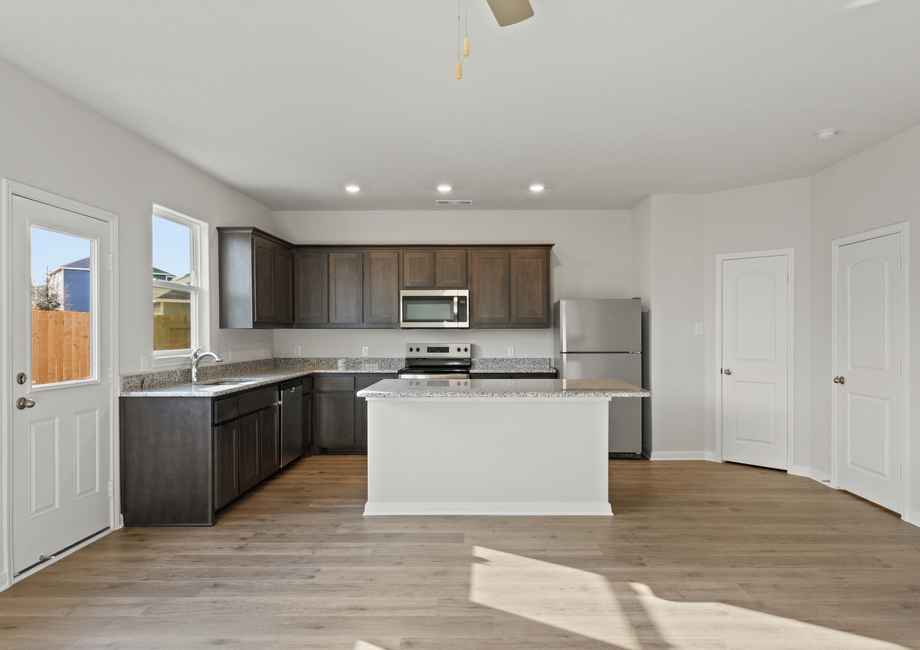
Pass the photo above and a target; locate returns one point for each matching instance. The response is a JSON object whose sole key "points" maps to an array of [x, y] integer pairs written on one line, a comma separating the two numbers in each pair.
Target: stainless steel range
{"points": [[437, 361]]}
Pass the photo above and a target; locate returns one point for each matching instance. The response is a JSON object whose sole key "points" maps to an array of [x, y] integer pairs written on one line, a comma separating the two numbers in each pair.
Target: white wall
{"points": [[51, 142], [878, 187], [591, 259], [763, 217], [676, 355], [641, 220]]}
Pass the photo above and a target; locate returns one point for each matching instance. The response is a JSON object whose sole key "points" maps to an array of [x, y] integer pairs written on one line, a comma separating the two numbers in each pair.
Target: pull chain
{"points": [[459, 67], [466, 28]]}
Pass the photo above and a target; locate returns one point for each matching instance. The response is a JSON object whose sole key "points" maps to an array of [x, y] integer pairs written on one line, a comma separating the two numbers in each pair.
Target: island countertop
{"points": [[484, 388]]}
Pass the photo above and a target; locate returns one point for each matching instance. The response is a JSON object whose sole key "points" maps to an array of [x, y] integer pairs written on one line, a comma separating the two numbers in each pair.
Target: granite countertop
{"points": [[503, 388], [512, 369]]}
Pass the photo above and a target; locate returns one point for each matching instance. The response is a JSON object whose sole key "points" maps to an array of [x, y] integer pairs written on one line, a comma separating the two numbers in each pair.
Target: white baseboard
{"points": [[503, 509], [683, 455], [4, 582], [912, 517], [812, 473]]}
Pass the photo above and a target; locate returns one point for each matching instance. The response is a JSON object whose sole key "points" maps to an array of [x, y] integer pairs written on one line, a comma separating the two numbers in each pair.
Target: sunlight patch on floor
{"points": [[628, 615]]}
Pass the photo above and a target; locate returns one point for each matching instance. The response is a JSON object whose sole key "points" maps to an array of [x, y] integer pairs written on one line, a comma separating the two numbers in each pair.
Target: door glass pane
{"points": [[172, 310], [172, 251], [62, 298]]}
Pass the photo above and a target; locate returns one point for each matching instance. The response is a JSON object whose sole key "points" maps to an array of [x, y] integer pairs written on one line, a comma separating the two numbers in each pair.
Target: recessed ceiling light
{"points": [[352, 188], [536, 188], [444, 188], [827, 134]]}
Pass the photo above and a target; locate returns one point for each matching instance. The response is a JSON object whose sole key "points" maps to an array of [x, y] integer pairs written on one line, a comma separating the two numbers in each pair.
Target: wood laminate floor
{"points": [[699, 555]]}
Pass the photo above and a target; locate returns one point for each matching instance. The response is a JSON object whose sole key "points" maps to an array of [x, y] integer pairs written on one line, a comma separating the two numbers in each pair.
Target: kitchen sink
{"points": [[221, 384]]}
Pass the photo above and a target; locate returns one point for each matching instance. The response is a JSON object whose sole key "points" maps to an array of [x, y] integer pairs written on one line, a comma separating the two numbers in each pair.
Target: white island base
{"points": [[487, 456]]}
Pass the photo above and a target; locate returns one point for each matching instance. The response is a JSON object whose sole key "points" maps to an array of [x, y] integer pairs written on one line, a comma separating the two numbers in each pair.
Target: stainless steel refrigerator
{"points": [[602, 339]]}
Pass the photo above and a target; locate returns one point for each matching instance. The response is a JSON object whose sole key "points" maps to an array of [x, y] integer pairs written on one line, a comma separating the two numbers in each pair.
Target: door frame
{"points": [[8, 189], [836, 244], [789, 253]]}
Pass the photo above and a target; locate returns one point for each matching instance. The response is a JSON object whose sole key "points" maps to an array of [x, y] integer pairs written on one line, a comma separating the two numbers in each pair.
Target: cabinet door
{"points": [[284, 280], [311, 287], [249, 451], [360, 422], [530, 287], [226, 468], [418, 269], [381, 287], [346, 288], [269, 442], [307, 424], [335, 419], [450, 269], [263, 280], [490, 290]]}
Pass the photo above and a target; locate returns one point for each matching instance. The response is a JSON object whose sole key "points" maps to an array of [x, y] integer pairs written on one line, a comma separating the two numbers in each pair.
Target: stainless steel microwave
{"points": [[434, 309]]}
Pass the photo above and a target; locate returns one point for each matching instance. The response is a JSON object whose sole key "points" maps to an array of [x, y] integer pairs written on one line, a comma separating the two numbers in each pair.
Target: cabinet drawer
{"points": [[327, 383], [258, 399], [225, 409]]}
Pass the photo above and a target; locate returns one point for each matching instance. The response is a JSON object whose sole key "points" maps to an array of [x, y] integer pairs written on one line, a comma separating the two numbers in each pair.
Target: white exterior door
{"points": [[755, 351], [61, 334], [869, 389]]}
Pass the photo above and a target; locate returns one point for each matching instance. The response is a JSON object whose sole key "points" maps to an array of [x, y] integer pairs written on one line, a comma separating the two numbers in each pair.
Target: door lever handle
{"points": [[23, 403], [840, 380]]}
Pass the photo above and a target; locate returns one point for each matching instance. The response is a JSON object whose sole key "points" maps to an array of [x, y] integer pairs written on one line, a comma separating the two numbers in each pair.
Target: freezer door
{"points": [[600, 325], [625, 413]]}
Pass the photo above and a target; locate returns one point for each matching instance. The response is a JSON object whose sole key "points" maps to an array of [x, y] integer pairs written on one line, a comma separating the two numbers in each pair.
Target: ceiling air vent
{"points": [[454, 201]]}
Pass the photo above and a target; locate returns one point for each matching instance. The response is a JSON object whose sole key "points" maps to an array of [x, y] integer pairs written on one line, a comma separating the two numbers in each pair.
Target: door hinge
{"points": [[900, 369], [899, 261], [111, 488], [787, 278], [111, 375], [900, 472], [110, 261]]}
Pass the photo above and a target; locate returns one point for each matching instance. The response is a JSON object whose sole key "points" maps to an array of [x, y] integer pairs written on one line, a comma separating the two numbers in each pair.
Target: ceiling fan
{"points": [[508, 12]]}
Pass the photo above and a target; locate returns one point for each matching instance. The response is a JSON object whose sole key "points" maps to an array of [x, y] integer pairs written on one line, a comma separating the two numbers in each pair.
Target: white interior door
{"points": [[61, 457], [755, 351], [869, 387]]}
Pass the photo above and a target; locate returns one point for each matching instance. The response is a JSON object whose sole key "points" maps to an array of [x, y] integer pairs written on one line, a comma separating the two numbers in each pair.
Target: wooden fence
{"points": [[60, 346], [171, 332]]}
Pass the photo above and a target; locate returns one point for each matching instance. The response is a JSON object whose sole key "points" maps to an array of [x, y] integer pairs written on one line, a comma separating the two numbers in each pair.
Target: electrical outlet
{"points": [[364, 351], [510, 350], [698, 329], [297, 351], [143, 363]]}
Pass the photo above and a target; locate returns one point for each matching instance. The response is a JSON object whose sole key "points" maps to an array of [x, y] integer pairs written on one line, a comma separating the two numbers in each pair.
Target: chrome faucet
{"points": [[196, 357]]}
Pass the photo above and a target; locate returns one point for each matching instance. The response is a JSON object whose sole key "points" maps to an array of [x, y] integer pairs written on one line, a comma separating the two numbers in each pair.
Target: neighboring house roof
{"points": [[78, 265], [172, 295]]}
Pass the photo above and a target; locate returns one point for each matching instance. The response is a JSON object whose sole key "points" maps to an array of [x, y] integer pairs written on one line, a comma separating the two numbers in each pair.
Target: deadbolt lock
{"points": [[21, 378]]}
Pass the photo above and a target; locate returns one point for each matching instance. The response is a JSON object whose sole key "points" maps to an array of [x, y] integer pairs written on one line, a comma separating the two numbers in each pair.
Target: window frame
{"points": [[197, 288]]}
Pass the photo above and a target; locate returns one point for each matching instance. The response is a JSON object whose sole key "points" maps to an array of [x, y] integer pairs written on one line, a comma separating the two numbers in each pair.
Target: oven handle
{"points": [[450, 376]]}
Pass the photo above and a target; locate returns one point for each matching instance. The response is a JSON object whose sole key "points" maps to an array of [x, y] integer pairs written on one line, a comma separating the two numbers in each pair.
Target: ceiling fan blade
{"points": [[508, 12]]}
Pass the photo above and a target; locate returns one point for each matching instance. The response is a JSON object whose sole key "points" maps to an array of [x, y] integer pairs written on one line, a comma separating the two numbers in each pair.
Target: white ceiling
{"points": [[603, 101]]}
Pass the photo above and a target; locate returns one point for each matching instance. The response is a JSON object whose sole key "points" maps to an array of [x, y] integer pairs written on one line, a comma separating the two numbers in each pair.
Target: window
{"points": [[179, 286]]}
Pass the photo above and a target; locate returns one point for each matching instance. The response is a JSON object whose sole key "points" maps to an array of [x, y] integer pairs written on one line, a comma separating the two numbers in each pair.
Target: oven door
{"points": [[434, 309]]}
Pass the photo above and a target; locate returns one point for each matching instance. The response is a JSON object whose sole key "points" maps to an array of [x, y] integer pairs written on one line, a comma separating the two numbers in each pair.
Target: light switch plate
{"points": [[698, 329]]}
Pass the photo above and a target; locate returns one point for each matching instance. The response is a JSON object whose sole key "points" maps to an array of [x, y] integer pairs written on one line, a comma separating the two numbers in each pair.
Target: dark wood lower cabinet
{"points": [[269, 442], [250, 473], [226, 464], [307, 424], [335, 419]]}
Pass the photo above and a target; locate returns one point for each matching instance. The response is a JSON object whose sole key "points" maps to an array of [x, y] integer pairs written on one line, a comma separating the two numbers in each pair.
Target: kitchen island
{"points": [[489, 446]]}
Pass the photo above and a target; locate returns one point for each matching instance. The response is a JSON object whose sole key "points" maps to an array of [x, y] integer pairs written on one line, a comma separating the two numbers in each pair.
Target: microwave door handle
{"points": [[455, 308]]}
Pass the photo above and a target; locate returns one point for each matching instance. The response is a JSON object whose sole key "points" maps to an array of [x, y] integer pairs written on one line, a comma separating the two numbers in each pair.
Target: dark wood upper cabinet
{"points": [[418, 269], [284, 285], [346, 287], [255, 279], [381, 287], [311, 285], [530, 287], [490, 287], [440, 268], [450, 269]]}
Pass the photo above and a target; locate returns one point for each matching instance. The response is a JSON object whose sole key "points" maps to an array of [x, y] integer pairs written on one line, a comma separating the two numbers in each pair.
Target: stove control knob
{"points": [[458, 349], [465, 350]]}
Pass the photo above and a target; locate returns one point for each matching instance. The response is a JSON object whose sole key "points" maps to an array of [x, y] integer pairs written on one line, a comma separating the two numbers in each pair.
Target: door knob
{"points": [[23, 403], [840, 380], [727, 371]]}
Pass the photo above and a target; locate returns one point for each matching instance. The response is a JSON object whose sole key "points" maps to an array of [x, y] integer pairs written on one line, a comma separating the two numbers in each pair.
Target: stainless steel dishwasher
{"points": [[291, 421]]}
